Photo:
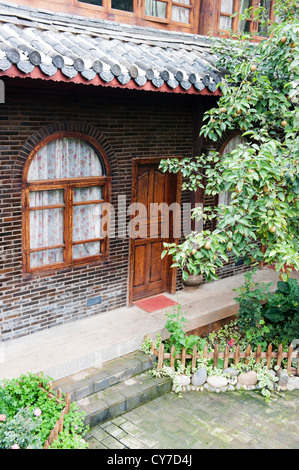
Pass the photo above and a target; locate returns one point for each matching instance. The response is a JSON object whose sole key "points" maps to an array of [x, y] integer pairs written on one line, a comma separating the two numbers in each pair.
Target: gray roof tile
{"points": [[48, 40]]}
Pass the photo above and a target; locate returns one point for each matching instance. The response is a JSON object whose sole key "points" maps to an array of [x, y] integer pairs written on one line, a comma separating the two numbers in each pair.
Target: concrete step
{"points": [[117, 386], [97, 378], [122, 397]]}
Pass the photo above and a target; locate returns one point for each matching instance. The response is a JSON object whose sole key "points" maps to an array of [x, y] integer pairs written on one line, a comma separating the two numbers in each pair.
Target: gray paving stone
{"points": [[233, 421]]}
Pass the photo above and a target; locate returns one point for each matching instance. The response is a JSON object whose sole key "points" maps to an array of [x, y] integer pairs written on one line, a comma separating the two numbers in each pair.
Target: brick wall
{"points": [[129, 125]]}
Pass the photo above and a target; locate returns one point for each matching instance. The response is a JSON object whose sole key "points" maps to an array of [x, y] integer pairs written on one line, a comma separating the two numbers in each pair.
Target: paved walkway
{"points": [[205, 420]]}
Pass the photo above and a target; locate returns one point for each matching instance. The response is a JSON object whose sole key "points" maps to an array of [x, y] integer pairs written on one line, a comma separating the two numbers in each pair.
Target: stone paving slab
{"points": [[204, 420], [95, 379], [122, 397]]}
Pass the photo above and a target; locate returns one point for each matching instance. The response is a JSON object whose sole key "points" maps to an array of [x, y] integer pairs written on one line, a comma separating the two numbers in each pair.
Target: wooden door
{"points": [[153, 224]]}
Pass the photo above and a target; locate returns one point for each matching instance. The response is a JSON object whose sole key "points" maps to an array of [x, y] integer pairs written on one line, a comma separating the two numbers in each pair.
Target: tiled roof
{"points": [[31, 38]]}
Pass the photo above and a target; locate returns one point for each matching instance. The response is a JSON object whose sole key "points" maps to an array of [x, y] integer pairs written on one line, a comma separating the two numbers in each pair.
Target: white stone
{"points": [[248, 378], [217, 381], [169, 370], [294, 381], [182, 380]]}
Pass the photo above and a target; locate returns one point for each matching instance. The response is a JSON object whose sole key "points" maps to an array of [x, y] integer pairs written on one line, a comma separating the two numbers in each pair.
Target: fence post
{"points": [[183, 356], [247, 354], [290, 352], [161, 356], [237, 354], [258, 354], [279, 355], [215, 355], [172, 358]]}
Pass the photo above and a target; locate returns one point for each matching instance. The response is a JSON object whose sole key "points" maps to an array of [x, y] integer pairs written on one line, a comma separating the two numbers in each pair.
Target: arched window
{"points": [[66, 188]]}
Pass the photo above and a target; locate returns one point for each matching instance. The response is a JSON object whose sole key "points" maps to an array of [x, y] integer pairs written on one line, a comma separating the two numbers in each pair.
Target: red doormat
{"points": [[152, 304]]}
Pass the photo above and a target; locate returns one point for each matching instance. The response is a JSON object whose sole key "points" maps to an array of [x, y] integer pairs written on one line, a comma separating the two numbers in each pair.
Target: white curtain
{"points": [[158, 9], [46, 227], [64, 158], [87, 222], [226, 7], [245, 4], [181, 14], [155, 8]]}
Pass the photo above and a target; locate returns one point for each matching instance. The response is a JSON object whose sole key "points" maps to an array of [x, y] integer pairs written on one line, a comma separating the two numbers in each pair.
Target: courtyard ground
{"points": [[205, 420]]}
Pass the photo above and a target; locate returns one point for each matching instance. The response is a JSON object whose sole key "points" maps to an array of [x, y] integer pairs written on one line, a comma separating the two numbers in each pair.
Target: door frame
{"points": [[173, 271]]}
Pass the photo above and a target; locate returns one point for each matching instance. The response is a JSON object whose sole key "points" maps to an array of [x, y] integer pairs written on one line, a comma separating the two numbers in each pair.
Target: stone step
{"points": [[108, 374], [122, 397]]}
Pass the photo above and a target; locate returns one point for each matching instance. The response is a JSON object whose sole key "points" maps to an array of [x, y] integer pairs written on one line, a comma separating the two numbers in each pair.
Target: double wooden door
{"points": [[152, 224]]}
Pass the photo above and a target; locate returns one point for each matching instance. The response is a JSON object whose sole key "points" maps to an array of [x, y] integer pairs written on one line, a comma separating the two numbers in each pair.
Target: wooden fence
{"points": [[58, 427], [228, 354]]}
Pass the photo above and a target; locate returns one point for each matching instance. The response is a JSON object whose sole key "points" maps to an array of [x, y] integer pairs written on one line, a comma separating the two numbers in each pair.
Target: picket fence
{"points": [[228, 354], [58, 427]]}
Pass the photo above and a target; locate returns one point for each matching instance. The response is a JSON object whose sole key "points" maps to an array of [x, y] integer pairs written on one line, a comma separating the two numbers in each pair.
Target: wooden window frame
{"points": [[67, 185], [139, 13], [236, 19]]}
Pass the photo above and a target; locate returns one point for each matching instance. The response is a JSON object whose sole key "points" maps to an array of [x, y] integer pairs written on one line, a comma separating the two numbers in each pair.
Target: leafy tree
{"points": [[260, 101]]}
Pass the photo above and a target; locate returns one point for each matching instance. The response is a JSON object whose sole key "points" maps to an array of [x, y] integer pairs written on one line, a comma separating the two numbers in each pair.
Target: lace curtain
{"points": [[227, 6], [64, 158], [158, 9]]}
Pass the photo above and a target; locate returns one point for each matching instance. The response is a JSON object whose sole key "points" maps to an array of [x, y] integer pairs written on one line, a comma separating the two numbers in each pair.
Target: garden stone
{"points": [[293, 381], [199, 377], [169, 370], [283, 377], [217, 381], [248, 378], [231, 371], [182, 380]]}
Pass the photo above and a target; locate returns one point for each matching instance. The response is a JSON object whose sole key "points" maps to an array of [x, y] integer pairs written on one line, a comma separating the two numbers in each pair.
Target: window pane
{"points": [[42, 258], [245, 4], [263, 28], [155, 8], [86, 249], [244, 25], [180, 14], [46, 198], [227, 6], [92, 2], [93, 193], [87, 222], [46, 228], [126, 5], [65, 158], [225, 22]]}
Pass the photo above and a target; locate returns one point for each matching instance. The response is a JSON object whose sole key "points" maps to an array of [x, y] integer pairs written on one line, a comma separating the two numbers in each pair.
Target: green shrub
{"points": [[21, 431], [175, 324], [281, 312], [24, 398], [266, 317]]}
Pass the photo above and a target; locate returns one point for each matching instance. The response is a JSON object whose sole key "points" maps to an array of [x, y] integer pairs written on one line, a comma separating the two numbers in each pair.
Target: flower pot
{"points": [[193, 280]]}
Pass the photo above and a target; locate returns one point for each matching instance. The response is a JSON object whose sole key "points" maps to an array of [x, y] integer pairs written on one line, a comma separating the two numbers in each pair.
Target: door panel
{"points": [[150, 274]]}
